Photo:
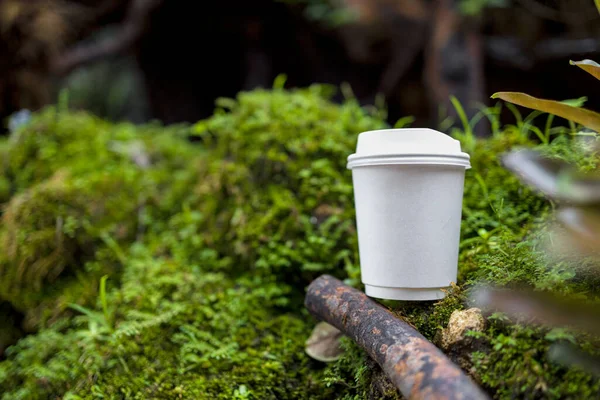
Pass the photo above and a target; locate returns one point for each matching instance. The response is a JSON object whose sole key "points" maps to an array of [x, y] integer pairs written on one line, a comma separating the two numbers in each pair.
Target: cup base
{"points": [[390, 293]]}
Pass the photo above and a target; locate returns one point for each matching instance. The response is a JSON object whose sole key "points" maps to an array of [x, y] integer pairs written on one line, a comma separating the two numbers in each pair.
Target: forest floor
{"points": [[137, 263]]}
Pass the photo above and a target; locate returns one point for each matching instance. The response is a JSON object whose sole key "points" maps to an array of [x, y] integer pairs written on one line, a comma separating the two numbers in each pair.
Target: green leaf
{"points": [[103, 299], [589, 66], [92, 315], [557, 334], [581, 116], [404, 122], [279, 82], [462, 115], [83, 310], [575, 102]]}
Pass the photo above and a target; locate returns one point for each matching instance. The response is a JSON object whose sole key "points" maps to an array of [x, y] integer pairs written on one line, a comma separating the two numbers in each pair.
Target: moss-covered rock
{"points": [[78, 188], [208, 246], [275, 193]]}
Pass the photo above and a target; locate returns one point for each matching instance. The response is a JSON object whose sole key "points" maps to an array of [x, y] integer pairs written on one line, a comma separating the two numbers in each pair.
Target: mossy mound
{"points": [[77, 188], [209, 244]]}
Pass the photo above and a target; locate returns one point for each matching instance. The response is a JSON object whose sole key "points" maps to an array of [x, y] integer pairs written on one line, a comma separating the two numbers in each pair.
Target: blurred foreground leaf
{"points": [[540, 308], [555, 178]]}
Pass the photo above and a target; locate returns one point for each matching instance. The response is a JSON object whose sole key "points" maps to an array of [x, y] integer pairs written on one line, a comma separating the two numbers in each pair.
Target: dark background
{"points": [[169, 60]]}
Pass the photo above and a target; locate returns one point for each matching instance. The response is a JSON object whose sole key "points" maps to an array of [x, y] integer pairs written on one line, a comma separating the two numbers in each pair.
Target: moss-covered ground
{"points": [[165, 263]]}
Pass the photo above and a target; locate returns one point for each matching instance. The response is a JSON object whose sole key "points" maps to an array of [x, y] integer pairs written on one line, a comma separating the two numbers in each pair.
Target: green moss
{"points": [[518, 363], [430, 318], [279, 201], [355, 376], [518, 366], [81, 188], [169, 334], [203, 304], [209, 247]]}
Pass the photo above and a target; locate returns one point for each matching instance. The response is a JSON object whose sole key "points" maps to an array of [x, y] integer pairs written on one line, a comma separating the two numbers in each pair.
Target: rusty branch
{"points": [[418, 368]]}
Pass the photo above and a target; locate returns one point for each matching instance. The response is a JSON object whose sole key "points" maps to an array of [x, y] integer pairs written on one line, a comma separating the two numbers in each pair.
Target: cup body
{"points": [[408, 191], [408, 221]]}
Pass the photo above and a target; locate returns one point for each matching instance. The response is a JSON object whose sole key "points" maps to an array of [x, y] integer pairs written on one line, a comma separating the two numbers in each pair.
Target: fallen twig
{"points": [[413, 364]]}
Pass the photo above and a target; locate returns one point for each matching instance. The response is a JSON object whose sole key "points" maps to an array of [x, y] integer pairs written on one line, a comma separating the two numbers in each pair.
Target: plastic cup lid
{"points": [[421, 146]]}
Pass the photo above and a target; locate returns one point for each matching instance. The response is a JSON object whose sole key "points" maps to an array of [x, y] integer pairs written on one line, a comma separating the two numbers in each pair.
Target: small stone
{"points": [[460, 323], [456, 344], [324, 343]]}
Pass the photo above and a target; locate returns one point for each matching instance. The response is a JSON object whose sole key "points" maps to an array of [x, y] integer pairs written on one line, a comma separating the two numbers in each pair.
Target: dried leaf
{"points": [[589, 66], [587, 118], [324, 343]]}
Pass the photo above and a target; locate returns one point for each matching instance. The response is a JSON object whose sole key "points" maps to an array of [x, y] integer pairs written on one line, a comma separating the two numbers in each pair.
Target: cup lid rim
{"points": [[461, 160], [462, 154]]}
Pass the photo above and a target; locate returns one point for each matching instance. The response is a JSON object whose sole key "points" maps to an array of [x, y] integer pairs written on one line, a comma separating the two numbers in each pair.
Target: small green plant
{"points": [[103, 320]]}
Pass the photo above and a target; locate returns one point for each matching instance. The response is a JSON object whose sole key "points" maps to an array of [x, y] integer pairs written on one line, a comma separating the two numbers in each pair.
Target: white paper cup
{"points": [[408, 189]]}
